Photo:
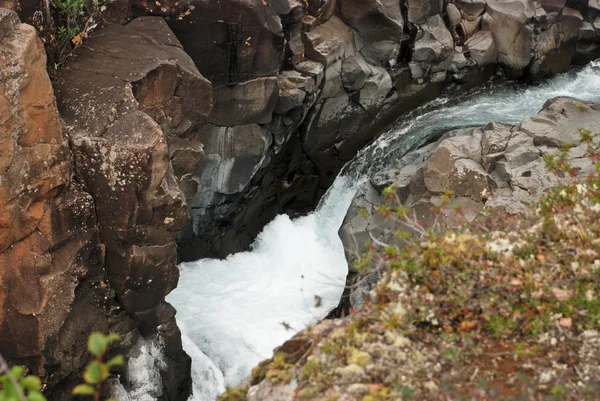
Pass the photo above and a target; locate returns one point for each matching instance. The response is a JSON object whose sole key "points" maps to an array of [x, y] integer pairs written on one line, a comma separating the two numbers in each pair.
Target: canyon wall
{"points": [[299, 89], [184, 130], [90, 209]]}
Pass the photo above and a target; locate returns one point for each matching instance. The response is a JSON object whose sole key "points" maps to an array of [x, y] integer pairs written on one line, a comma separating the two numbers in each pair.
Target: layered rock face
{"points": [[314, 82], [498, 167], [131, 98], [300, 86], [89, 212], [188, 136], [52, 282]]}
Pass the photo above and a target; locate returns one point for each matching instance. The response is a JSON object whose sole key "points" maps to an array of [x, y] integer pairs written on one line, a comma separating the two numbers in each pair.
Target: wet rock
{"points": [[245, 103], [230, 41]]}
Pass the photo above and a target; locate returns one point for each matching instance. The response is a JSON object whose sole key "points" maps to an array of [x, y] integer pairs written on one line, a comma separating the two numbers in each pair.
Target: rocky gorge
{"points": [[178, 130]]}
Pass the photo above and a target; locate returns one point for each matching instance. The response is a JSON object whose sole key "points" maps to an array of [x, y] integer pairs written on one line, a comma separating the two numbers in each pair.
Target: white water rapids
{"points": [[233, 312]]}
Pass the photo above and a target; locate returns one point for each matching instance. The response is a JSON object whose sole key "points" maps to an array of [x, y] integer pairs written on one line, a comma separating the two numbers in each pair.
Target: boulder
{"points": [[380, 26], [471, 10], [419, 11], [482, 48], [329, 42], [555, 46], [588, 47], [509, 23], [433, 48]]}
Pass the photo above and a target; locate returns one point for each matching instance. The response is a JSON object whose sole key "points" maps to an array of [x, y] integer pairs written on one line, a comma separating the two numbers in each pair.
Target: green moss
{"points": [[260, 372], [359, 358], [277, 376], [234, 394]]}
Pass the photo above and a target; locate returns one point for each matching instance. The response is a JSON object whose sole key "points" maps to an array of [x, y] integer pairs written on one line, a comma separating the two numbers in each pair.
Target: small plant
{"points": [[78, 20], [16, 386], [97, 371]]}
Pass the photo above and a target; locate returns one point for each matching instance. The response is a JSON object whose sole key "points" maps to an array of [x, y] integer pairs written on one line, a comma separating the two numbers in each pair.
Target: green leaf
{"points": [[31, 383], [84, 389], [9, 389], [95, 372], [112, 337], [35, 396], [97, 344], [116, 361], [17, 371]]}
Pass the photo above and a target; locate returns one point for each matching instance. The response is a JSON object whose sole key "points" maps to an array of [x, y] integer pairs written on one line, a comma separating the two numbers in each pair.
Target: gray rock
{"points": [[454, 15], [329, 42], [482, 48], [379, 24], [245, 103], [433, 47], [513, 35], [354, 74], [500, 166], [419, 11]]}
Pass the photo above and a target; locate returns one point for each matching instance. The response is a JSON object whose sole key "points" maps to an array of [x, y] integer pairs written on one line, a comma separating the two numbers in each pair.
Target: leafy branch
{"points": [[14, 386], [97, 371]]}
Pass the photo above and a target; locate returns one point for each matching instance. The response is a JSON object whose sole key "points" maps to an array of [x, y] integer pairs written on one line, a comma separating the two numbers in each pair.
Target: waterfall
{"points": [[233, 312]]}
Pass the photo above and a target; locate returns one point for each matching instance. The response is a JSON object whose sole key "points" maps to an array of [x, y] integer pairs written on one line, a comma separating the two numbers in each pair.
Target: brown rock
{"points": [[52, 291], [122, 113]]}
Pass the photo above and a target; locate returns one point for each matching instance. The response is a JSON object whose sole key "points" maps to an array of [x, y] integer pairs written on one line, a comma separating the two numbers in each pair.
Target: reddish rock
{"points": [[53, 289]]}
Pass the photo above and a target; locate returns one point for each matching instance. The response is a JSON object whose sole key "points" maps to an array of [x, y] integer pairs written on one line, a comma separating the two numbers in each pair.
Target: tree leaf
{"points": [[97, 344], [112, 337], [17, 371], [35, 396], [31, 383], [116, 361], [84, 389], [92, 373]]}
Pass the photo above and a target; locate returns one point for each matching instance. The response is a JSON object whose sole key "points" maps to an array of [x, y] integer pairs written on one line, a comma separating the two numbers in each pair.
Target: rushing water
{"points": [[233, 312]]}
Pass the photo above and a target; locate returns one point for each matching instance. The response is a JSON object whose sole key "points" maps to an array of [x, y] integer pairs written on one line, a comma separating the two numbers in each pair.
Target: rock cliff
{"points": [[90, 209], [187, 126]]}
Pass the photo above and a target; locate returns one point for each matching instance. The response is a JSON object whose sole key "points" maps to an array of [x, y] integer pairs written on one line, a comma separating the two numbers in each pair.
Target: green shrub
{"points": [[16, 386]]}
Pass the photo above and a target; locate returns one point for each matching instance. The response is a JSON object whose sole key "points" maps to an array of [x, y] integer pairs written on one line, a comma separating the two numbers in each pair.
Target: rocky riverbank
{"points": [[490, 305], [181, 128]]}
